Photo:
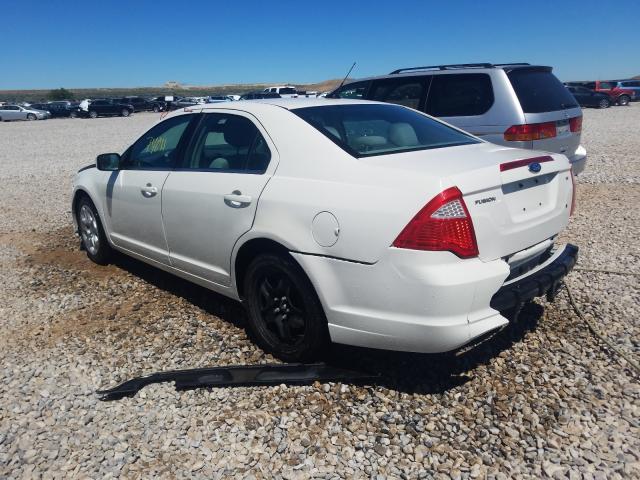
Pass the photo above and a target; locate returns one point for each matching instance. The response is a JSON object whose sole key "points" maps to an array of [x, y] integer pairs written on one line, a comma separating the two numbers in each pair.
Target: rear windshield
{"points": [[367, 130], [540, 91]]}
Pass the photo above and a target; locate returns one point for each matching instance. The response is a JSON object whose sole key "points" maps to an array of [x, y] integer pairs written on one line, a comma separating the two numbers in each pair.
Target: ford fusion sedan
{"points": [[345, 221]]}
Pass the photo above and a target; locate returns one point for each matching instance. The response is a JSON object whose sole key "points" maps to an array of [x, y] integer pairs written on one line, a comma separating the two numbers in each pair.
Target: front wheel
{"points": [[285, 314], [91, 232], [604, 103], [156, 109], [623, 100], [125, 112], [31, 117], [93, 114], [73, 115]]}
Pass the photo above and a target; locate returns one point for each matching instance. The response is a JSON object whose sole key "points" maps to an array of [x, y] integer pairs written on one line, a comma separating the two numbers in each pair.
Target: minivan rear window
{"points": [[364, 130], [540, 91]]}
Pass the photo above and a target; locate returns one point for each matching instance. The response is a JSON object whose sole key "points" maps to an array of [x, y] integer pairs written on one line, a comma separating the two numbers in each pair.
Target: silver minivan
{"points": [[517, 105]]}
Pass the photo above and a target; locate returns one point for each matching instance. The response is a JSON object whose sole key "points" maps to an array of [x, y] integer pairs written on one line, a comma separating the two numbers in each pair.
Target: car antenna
{"points": [[347, 75]]}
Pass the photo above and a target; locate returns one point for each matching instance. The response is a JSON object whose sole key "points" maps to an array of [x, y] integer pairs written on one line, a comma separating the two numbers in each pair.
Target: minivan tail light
{"points": [[443, 224], [530, 131], [575, 124]]}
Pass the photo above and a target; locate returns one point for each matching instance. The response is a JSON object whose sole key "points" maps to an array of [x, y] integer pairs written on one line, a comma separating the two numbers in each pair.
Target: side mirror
{"points": [[109, 162]]}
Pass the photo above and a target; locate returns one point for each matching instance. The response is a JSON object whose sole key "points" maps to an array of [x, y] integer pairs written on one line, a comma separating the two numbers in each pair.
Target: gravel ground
{"points": [[542, 398]]}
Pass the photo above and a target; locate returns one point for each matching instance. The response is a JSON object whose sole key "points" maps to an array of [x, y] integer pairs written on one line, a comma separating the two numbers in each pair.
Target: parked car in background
{"points": [[589, 98], [258, 95], [517, 105], [183, 102], [16, 112], [360, 223], [60, 109], [102, 107], [633, 85], [218, 99], [141, 104], [285, 91], [618, 96]]}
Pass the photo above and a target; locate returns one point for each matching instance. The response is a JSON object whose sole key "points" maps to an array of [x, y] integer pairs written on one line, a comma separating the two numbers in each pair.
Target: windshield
{"points": [[373, 129]]}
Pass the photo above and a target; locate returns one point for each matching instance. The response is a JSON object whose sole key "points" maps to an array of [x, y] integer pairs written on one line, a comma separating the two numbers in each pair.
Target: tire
{"points": [[91, 232], [73, 115], [31, 117], [274, 284], [93, 114], [156, 109], [125, 112], [604, 103], [623, 100]]}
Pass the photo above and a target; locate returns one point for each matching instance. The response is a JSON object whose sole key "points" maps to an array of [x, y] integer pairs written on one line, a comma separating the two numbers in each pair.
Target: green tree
{"points": [[60, 94]]}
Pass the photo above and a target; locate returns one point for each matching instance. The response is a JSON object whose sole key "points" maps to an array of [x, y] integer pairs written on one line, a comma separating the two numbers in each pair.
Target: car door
{"points": [[13, 112], [211, 199], [134, 193]]}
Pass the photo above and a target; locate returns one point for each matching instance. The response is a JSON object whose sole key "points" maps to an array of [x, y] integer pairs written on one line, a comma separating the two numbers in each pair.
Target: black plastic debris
{"points": [[239, 376]]}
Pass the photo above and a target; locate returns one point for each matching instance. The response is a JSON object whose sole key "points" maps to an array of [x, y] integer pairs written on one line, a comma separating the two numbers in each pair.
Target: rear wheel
{"points": [[125, 112], [604, 103], [623, 100], [31, 117], [73, 115], [156, 109], [93, 114], [91, 232], [285, 315]]}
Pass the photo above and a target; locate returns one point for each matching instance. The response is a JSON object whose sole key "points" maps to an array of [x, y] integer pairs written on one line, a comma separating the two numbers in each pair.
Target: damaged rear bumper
{"points": [[545, 281]]}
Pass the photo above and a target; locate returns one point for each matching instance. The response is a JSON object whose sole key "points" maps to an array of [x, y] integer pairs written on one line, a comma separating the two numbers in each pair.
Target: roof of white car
{"points": [[257, 106]]}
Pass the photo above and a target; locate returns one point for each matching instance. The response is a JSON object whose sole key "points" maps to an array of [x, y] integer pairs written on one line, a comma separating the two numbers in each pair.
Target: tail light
{"points": [[573, 194], [530, 131], [443, 224], [575, 124]]}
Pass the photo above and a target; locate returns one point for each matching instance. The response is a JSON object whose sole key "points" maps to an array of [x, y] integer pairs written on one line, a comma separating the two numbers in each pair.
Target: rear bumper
{"points": [[541, 282], [578, 160], [425, 302]]}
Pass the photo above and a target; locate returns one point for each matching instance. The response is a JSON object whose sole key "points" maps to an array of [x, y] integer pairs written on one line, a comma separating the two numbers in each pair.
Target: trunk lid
{"points": [[511, 210]]}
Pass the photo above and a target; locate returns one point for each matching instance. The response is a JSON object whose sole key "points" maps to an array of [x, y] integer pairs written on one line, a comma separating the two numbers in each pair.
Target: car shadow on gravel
{"points": [[401, 371]]}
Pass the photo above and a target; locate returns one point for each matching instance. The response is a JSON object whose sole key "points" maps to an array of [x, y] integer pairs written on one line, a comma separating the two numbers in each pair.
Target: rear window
{"points": [[460, 95], [540, 91], [369, 129]]}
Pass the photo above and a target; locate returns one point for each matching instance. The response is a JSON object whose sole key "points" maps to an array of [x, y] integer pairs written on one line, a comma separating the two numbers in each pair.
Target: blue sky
{"points": [[66, 43]]}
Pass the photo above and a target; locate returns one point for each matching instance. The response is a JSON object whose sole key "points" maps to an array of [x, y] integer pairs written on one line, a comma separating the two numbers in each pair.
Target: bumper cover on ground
{"points": [[544, 281]]}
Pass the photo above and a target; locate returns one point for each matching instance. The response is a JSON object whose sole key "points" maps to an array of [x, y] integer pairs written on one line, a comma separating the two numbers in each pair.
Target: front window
{"points": [[287, 91], [367, 130], [156, 148], [403, 91]]}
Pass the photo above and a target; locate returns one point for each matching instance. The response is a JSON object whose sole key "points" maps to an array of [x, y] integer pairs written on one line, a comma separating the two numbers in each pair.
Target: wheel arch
{"points": [[249, 250], [79, 193]]}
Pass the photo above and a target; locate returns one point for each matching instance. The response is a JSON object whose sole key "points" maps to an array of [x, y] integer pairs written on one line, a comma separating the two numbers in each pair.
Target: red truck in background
{"points": [[619, 96]]}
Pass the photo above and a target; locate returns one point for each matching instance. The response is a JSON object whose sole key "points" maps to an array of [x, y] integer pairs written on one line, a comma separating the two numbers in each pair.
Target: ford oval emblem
{"points": [[535, 167]]}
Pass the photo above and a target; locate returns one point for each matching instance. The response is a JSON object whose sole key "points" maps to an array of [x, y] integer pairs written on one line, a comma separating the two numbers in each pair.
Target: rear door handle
{"points": [[149, 191], [235, 199]]}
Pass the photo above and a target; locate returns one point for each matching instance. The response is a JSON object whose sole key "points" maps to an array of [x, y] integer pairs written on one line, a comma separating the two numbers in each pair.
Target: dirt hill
{"points": [[170, 88]]}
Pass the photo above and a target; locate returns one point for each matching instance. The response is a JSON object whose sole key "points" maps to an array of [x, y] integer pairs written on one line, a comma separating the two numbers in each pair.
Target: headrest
{"points": [[403, 135], [239, 132]]}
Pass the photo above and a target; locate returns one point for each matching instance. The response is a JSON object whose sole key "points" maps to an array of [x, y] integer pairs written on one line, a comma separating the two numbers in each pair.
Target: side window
{"points": [[228, 143], [357, 90], [156, 148], [405, 91], [459, 95]]}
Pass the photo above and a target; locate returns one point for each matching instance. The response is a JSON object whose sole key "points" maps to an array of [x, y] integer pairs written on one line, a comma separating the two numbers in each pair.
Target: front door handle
{"points": [[149, 191], [235, 199]]}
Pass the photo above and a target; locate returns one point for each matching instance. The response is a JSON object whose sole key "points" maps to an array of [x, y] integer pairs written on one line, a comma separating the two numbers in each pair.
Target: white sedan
{"points": [[355, 222]]}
